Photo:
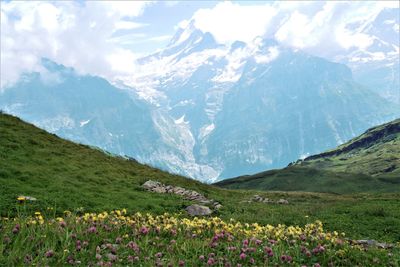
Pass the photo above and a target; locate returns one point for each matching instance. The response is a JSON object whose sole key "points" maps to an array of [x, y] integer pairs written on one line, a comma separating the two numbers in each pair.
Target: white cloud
{"points": [[74, 34], [230, 21], [322, 28], [128, 25]]}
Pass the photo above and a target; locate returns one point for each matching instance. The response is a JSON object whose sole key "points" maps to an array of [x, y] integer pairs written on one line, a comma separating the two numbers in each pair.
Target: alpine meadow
{"points": [[200, 133]]}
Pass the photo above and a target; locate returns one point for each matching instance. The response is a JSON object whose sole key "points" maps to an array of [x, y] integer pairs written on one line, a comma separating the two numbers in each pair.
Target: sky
{"points": [[105, 38]]}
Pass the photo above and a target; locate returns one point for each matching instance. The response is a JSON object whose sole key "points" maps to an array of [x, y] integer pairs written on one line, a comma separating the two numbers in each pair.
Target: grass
{"points": [[123, 239], [68, 176]]}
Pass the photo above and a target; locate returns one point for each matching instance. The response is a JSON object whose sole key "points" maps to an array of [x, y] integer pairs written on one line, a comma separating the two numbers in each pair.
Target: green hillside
{"points": [[63, 175], [375, 153], [368, 163]]}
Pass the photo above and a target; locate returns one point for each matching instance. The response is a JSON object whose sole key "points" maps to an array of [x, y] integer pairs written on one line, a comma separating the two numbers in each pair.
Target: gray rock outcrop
{"points": [[157, 187], [198, 210]]}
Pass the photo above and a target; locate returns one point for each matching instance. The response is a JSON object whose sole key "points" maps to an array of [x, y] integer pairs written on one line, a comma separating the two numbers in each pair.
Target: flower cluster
{"points": [[117, 238]]}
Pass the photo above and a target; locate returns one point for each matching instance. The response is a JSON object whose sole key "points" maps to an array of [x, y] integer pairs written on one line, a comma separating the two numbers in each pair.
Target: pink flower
{"points": [[49, 253], [181, 263], [201, 257], [132, 245], [62, 224], [92, 229], [267, 250], [15, 230], [112, 257], [245, 243], [144, 230], [242, 256], [158, 255], [252, 261], [317, 265], [211, 261], [132, 259]]}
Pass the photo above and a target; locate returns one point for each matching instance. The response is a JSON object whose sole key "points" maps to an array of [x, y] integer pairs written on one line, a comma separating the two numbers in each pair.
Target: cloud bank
{"points": [[70, 33], [324, 28]]}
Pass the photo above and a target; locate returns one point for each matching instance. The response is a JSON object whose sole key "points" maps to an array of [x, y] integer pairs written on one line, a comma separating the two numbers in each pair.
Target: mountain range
{"points": [[212, 111]]}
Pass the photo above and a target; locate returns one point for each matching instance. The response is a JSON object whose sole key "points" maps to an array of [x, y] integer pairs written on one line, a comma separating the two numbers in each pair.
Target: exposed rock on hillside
{"points": [[198, 210], [258, 198], [192, 195]]}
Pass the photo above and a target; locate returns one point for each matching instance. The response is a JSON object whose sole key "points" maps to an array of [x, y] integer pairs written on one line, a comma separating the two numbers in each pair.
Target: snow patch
{"points": [[83, 123]]}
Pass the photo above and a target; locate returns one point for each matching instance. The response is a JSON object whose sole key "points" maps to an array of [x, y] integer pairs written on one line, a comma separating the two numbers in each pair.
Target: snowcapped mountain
{"points": [[378, 64], [248, 107], [208, 110]]}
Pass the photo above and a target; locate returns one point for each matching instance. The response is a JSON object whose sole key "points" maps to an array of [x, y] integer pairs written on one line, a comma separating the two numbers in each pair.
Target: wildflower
{"points": [[181, 263], [242, 256], [112, 257], [158, 255], [92, 229], [49, 253], [201, 257], [210, 261], [132, 245], [16, 229], [21, 198], [317, 265], [144, 230]]}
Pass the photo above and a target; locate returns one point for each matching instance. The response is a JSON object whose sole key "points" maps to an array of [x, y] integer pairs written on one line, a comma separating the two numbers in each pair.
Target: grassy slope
{"points": [[368, 163], [66, 175], [375, 153]]}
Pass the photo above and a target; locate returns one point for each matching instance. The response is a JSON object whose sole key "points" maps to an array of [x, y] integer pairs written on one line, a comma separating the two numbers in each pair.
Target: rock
{"points": [[372, 243], [266, 200], [218, 206], [160, 190], [198, 210], [149, 185], [282, 201], [158, 187]]}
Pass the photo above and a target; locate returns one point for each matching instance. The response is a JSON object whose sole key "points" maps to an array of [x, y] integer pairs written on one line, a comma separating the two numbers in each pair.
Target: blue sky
{"points": [[105, 38]]}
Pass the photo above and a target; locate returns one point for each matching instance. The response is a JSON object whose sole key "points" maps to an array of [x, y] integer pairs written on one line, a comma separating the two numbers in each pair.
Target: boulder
{"points": [[149, 185], [282, 201], [198, 210], [160, 190]]}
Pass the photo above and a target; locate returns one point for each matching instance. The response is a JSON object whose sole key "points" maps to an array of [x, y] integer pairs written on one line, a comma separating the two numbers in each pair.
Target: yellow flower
{"points": [[37, 213], [21, 198]]}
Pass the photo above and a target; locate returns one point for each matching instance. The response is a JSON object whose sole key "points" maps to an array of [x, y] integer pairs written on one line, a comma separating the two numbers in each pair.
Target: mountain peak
{"points": [[185, 34]]}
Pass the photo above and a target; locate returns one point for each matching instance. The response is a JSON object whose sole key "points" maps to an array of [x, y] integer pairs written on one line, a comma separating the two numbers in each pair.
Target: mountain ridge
{"points": [[368, 162]]}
